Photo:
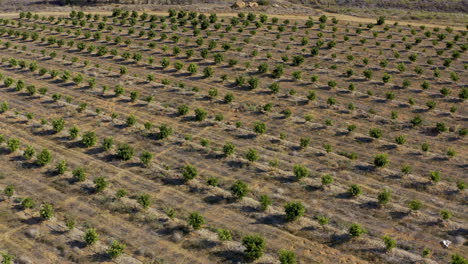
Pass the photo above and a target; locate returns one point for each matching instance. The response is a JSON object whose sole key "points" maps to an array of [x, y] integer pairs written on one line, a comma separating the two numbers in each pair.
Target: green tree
{"points": [[100, 183], [144, 200], [116, 249], [146, 157], [196, 220], [254, 246], [9, 190], [356, 230], [287, 257], [265, 202], [91, 236], [44, 157], [27, 203], [384, 197], [240, 189], [381, 160], [13, 144], [389, 242], [79, 174], [189, 172], [259, 128], [46, 211], [125, 152], [89, 139], [294, 210], [300, 171], [229, 149]]}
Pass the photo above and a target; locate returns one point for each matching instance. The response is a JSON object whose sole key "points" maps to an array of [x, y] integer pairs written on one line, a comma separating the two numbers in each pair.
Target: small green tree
{"points": [[252, 155], [196, 220], [229, 149], [13, 144], [27, 203], [384, 197], [146, 157], [381, 160], [356, 230], [116, 249], [355, 190], [389, 242], [44, 157], [79, 174], [240, 189], [265, 202], [415, 205], [189, 172], [144, 200], [287, 257], [100, 183], [125, 152], [300, 171], [294, 210], [259, 128], [200, 114], [9, 190], [224, 234], [46, 211], [254, 246], [91, 236], [7, 258], [89, 139], [61, 167]]}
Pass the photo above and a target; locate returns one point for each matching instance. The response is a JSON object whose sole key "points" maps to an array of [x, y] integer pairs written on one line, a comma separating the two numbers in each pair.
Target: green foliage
{"points": [[229, 149], [389, 242], [189, 172], [300, 171], [91, 236], [415, 205], [196, 220], [381, 160], [252, 155], [224, 234], [356, 230], [287, 257], [240, 189], [125, 152], [100, 183], [254, 246], [79, 174], [259, 128], [384, 197], [116, 249], [89, 139], [144, 200], [294, 210], [46, 211], [44, 157]]}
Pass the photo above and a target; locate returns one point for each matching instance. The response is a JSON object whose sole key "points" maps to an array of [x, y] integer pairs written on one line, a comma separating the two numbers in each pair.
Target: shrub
{"points": [[389, 242], [400, 140], [229, 149], [322, 220], [356, 230], [27, 203], [380, 20], [287, 257], [254, 246], [224, 234], [9, 190], [91, 236], [259, 128], [100, 183], [79, 174], [375, 132], [89, 139], [46, 211], [435, 176], [457, 259], [252, 155], [381, 160], [196, 220], [294, 210], [61, 167], [116, 249], [445, 214], [58, 125], [355, 190], [13, 144], [240, 189], [189, 172], [146, 157], [29, 152], [44, 157], [384, 197], [144, 200], [265, 202], [415, 205], [200, 114], [300, 171], [125, 152], [327, 180]]}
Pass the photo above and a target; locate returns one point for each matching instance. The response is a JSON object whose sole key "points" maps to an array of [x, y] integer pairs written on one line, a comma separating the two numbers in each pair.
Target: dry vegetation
{"points": [[193, 138]]}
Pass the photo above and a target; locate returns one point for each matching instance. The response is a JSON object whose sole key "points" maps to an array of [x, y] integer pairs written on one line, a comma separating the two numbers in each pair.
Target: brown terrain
{"points": [[325, 117]]}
